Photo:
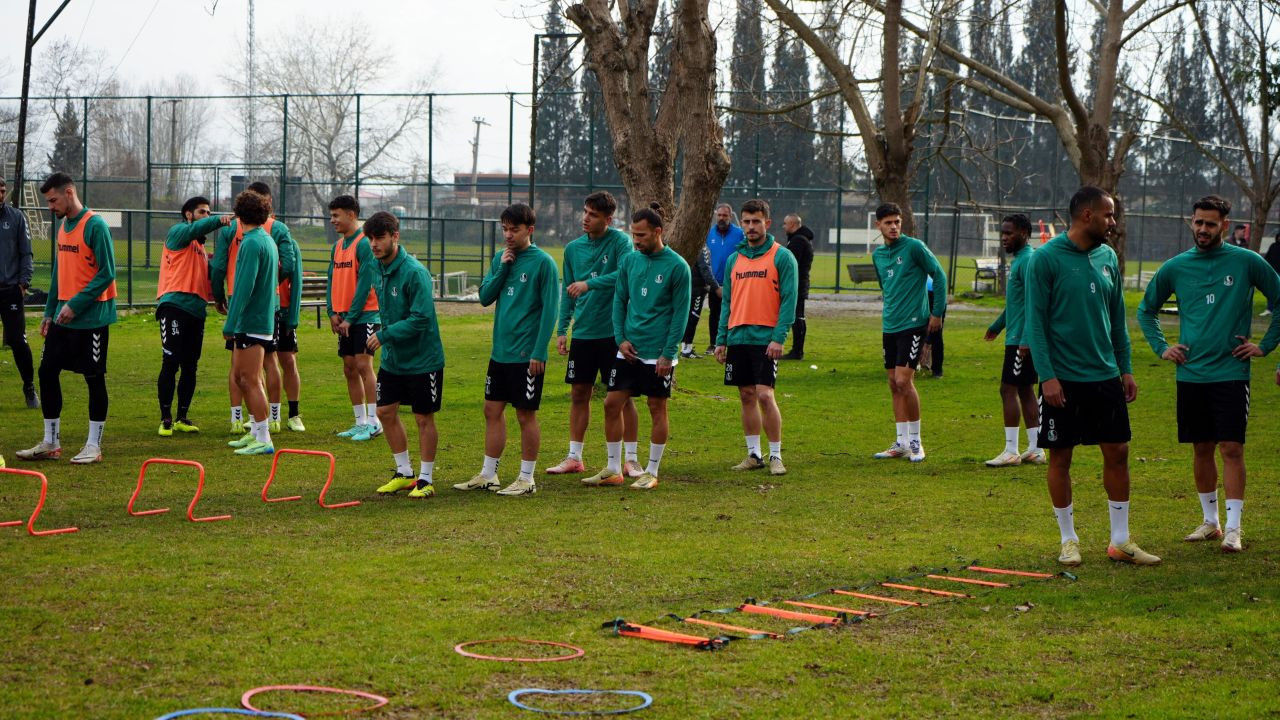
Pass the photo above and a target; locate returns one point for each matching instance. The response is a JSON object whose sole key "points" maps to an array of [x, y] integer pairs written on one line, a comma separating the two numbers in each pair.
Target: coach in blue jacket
{"points": [[722, 241]]}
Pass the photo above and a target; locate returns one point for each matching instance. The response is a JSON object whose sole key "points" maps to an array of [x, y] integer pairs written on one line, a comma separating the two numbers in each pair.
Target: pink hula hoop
{"points": [[378, 700]]}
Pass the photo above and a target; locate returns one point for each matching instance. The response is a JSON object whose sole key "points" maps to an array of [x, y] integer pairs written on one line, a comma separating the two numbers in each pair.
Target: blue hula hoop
{"points": [[514, 698], [229, 711]]}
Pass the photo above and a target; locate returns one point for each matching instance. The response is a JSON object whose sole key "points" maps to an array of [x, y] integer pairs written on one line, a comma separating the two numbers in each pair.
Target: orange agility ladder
{"points": [[35, 514], [832, 608], [930, 591], [811, 618], [191, 509], [880, 598], [969, 581], [644, 632], [732, 628], [999, 571]]}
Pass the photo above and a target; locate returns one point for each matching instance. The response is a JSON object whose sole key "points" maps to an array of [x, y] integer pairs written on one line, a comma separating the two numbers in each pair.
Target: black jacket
{"points": [[1273, 254], [703, 278], [800, 243]]}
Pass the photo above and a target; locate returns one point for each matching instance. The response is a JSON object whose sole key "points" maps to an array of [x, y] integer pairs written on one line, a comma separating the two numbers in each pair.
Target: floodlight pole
{"points": [[31, 39], [533, 101]]}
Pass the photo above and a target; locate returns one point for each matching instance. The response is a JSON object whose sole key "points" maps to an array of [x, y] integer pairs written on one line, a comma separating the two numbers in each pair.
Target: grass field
{"points": [[136, 617]]}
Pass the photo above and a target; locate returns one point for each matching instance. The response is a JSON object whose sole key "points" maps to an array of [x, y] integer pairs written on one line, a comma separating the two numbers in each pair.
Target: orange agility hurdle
{"points": [[931, 591], [31, 521], [832, 608], [789, 614], [998, 571], [275, 462], [880, 598], [191, 509], [970, 581]]}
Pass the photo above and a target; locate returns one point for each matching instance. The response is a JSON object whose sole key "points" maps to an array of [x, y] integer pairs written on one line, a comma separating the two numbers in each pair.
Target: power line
{"points": [[136, 35]]}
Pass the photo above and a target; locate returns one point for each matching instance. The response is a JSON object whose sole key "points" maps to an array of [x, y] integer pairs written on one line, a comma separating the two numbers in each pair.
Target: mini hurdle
{"points": [[275, 463], [35, 514], [191, 508]]}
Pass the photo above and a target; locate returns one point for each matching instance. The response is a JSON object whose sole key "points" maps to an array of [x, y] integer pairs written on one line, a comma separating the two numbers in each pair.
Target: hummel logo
{"points": [[97, 347], [1017, 365], [666, 381], [435, 392]]}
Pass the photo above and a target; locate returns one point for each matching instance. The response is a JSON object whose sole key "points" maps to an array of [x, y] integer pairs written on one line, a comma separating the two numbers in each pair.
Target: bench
{"points": [[1139, 281], [985, 274], [314, 289], [862, 272]]}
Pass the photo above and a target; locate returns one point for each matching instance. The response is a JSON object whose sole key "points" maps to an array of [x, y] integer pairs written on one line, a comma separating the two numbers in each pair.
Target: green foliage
{"points": [[68, 147]]}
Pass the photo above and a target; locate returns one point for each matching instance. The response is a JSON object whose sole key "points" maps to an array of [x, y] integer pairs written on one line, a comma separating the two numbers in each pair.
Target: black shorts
{"points": [[1213, 412], [356, 340], [902, 348], [422, 392], [748, 365], [181, 334], [80, 350], [243, 341], [285, 338], [589, 358], [1095, 413], [511, 383], [638, 378], [1018, 370]]}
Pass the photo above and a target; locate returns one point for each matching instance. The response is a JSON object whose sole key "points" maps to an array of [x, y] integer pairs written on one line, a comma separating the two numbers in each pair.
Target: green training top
{"points": [[901, 268], [651, 303], [1215, 304], [291, 270], [596, 262], [90, 312], [253, 298], [179, 238], [366, 279], [1013, 316], [218, 263], [788, 279], [1075, 323], [526, 290], [410, 335]]}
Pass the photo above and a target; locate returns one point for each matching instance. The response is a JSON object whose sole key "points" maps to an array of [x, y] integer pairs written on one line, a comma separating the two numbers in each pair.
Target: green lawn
{"points": [[133, 617]]}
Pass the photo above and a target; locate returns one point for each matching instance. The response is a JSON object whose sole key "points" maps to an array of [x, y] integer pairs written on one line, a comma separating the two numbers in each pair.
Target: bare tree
{"points": [[1083, 120], [889, 147], [645, 143], [323, 68]]}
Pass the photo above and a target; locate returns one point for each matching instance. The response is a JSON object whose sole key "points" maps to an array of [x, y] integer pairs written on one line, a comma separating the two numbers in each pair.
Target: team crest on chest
{"points": [[1228, 281], [898, 259], [658, 279], [524, 277]]}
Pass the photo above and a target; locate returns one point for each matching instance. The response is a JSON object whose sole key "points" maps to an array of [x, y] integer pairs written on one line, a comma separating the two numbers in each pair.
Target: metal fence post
{"points": [[839, 197], [147, 234], [129, 255], [511, 145], [357, 183], [84, 150], [431, 162], [284, 157]]}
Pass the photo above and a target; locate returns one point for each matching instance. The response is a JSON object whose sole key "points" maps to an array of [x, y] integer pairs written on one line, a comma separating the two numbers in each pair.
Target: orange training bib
{"points": [[346, 270], [76, 264], [755, 298]]}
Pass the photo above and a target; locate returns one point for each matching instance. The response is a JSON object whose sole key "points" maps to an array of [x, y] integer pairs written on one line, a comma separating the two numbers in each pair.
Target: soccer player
{"points": [[1075, 327], [902, 264], [251, 316], [353, 314], [522, 280], [280, 363], [222, 267], [1214, 284], [1018, 378], [77, 317], [760, 292], [412, 368], [183, 297], [590, 272], [650, 303], [15, 280]]}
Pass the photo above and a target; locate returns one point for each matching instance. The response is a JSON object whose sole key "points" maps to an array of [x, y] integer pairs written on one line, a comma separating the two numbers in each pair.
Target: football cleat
{"points": [[184, 425], [645, 482], [88, 454], [1070, 554], [896, 450], [1005, 459], [566, 466], [1035, 457], [257, 448], [1129, 552], [631, 468], [295, 424], [480, 482], [752, 462], [603, 478], [43, 451], [776, 467], [423, 489], [1206, 531], [1232, 541], [522, 486], [397, 483], [917, 451]]}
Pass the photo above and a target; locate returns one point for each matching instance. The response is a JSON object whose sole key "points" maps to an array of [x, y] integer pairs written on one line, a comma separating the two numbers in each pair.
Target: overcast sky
{"points": [[477, 45]]}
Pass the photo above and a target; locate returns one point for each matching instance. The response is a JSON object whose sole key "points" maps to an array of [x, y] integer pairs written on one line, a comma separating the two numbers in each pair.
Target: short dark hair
{"points": [[601, 201], [887, 210], [1215, 203], [652, 215], [260, 187], [192, 203], [1242, 227], [253, 208], [1086, 198], [519, 214], [756, 206], [381, 223], [1018, 221], [345, 202], [56, 181]]}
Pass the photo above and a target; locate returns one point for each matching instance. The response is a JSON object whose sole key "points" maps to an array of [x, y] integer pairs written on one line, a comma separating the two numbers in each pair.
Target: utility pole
{"points": [[475, 159], [32, 37], [173, 146]]}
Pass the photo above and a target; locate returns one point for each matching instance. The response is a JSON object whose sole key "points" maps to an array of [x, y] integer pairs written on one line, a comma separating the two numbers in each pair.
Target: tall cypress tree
{"points": [[68, 150], [747, 81], [788, 152], [559, 121]]}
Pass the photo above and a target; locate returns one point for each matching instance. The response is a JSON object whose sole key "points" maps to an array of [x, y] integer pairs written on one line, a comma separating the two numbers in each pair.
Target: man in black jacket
{"points": [[800, 243], [704, 283], [15, 280]]}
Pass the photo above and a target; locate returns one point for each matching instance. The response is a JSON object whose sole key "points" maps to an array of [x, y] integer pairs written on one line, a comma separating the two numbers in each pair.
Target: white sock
{"points": [[901, 429], [775, 449], [53, 432], [1119, 521], [655, 457], [613, 453], [371, 414], [527, 467], [1234, 508], [1066, 523], [275, 412], [913, 430], [630, 448], [575, 450], [490, 467], [237, 414], [686, 347], [261, 433], [425, 469], [1033, 439], [358, 411], [753, 445], [1011, 439], [1209, 505], [403, 466], [95, 433]]}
